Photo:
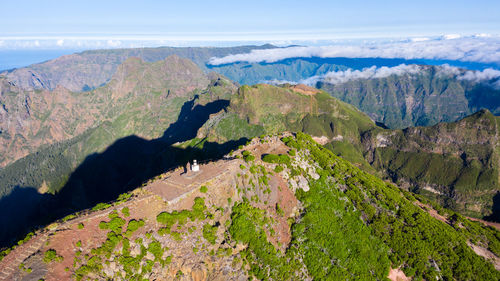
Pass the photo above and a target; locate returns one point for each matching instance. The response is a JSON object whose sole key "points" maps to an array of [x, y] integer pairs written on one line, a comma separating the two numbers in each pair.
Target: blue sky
{"points": [[32, 24]]}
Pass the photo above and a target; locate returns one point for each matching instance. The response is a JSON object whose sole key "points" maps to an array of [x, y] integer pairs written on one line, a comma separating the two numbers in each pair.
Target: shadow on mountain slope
{"points": [[123, 166], [19, 208], [484, 96], [495, 216], [191, 119]]}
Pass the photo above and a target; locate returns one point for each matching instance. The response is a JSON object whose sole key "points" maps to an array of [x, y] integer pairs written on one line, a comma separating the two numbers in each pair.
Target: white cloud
{"points": [[469, 49], [113, 43], [60, 42], [339, 77], [420, 39], [483, 35], [486, 75], [451, 36], [448, 70], [280, 82]]}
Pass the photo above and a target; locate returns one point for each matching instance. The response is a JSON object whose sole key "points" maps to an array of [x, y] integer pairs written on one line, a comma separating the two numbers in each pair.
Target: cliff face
{"points": [[30, 119], [46, 135]]}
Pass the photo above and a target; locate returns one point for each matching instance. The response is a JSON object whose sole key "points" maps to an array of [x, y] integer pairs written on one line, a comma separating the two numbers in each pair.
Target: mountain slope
{"points": [[433, 94], [30, 119], [316, 218], [297, 69], [457, 161], [141, 99], [91, 69]]}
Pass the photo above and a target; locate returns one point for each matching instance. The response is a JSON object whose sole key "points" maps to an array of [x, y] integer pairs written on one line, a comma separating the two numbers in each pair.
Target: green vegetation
{"points": [[81, 226], [115, 224], [123, 198], [132, 226], [395, 220], [203, 189], [355, 226], [278, 159], [247, 226], [23, 267], [209, 233], [410, 156], [68, 217], [93, 264], [199, 212], [247, 156], [101, 206], [278, 168], [51, 255], [465, 170], [126, 211], [5, 252]]}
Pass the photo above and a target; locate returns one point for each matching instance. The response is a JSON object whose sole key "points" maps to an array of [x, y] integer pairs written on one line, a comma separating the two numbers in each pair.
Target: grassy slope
{"points": [[263, 108]]}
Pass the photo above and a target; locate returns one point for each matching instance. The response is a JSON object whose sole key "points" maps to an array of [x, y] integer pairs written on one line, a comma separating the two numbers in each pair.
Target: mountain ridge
{"points": [[225, 217]]}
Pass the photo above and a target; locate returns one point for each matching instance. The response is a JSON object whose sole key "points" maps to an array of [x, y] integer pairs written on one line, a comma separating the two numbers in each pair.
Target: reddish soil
{"points": [[489, 223], [303, 89], [64, 239], [173, 190], [396, 274], [432, 212]]}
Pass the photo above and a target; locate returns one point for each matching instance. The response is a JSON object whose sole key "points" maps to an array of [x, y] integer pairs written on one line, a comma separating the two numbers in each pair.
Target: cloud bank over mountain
{"points": [[479, 48], [339, 77], [488, 76]]}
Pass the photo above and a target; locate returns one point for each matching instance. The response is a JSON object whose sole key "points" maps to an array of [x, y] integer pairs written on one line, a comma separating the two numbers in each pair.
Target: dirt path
{"points": [[10, 264], [173, 187], [488, 223], [485, 253], [432, 212], [176, 183]]}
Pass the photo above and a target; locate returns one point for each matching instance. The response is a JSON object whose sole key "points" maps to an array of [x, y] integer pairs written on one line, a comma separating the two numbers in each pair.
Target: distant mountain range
{"points": [[397, 101], [91, 69], [421, 98]]}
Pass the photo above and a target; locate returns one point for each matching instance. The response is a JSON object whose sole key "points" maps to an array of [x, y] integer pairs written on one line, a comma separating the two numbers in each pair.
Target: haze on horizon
{"points": [[119, 24]]}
